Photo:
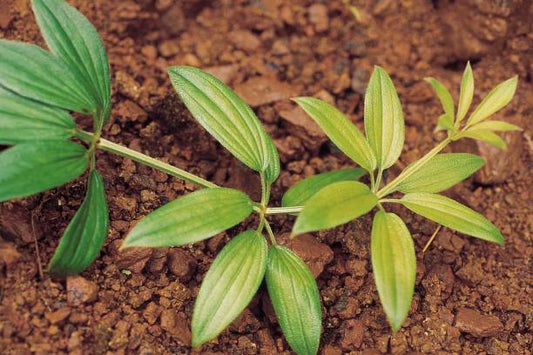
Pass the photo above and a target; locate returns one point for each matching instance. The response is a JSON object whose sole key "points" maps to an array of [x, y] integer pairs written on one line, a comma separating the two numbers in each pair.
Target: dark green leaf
{"points": [[384, 123], [334, 205], [225, 116], [394, 266], [74, 39], [300, 192], [191, 218], [441, 172], [85, 234], [229, 285], [296, 300], [30, 168], [23, 120], [340, 130], [452, 214], [32, 72]]}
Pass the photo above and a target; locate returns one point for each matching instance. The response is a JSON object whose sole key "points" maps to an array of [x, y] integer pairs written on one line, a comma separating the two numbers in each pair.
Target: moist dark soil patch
{"points": [[471, 296]]}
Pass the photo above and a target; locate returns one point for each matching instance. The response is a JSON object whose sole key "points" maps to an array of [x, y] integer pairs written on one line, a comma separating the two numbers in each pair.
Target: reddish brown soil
{"points": [[471, 296]]}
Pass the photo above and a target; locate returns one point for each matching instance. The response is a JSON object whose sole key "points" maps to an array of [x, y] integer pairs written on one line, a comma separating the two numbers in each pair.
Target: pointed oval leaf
{"points": [[23, 120], [273, 169], [34, 167], [445, 98], [466, 95], [384, 124], [346, 136], [334, 205], [74, 39], [32, 72], [82, 240], [302, 191], [497, 99], [452, 214], [444, 122], [442, 172], [229, 286], [485, 136], [191, 218], [498, 126], [393, 265], [225, 116], [296, 300]]}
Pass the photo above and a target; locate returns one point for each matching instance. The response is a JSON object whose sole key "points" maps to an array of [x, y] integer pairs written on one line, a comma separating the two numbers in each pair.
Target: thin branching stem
{"points": [[283, 210], [270, 233]]}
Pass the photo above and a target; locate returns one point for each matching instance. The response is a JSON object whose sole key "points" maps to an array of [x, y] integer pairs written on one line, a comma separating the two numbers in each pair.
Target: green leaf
{"points": [[499, 126], [225, 116], [272, 171], [85, 234], [334, 205], [346, 136], [394, 266], [446, 101], [34, 167], [441, 172], [23, 120], [191, 218], [485, 136], [302, 191], [497, 99], [229, 285], [32, 72], [466, 95], [74, 39], [296, 300], [444, 122], [452, 214], [384, 123]]}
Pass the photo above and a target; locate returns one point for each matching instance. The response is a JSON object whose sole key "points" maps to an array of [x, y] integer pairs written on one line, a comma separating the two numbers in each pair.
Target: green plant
{"points": [[39, 88]]}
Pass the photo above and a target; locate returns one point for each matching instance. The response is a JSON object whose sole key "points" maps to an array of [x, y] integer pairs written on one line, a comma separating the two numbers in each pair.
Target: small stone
{"points": [[150, 52], [245, 40], [127, 204], [6, 16], [127, 85], [151, 313], [315, 254], [9, 255], [133, 259], [181, 264], [262, 90], [169, 48], [129, 111], [303, 127], [225, 73], [120, 335], [16, 222], [318, 16], [353, 334], [246, 323], [80, 291], [75, 340], [176, 324], [173, 20], [78, 318], [57, 316], [477, 324]]}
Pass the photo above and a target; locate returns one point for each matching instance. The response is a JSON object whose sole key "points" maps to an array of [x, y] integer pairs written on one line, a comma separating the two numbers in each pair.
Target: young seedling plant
{"points": [[39, 88]]}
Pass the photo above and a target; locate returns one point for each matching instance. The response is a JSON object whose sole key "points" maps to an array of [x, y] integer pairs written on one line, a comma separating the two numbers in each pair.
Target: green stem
{"points": [[378, 180], [389, 200], [282, 210], [111, 147], [270, 233], [411, 169]]}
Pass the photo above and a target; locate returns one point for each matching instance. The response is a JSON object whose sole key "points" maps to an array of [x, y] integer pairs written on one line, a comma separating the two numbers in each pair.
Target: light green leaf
{"points": [[346, 136], [485, 136], [225, 116], [74, 39], [441, 172], [190, 218], [23, 120], [497, 99], [32, 72], [334, 205], [229, 285], [302, 191], [444, 122], [394, 266], [445, 99], [296, 300], [85, 234], [33, 167], [452, 214], [272, 171], [499, 126], [384, 123], [466, 95]]}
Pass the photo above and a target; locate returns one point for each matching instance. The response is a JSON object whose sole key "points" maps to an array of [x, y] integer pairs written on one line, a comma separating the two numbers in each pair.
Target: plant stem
{"points": [[282, 210], [411, 169], [389, 200], [378, 179], [270, 233], [111, 147]]}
